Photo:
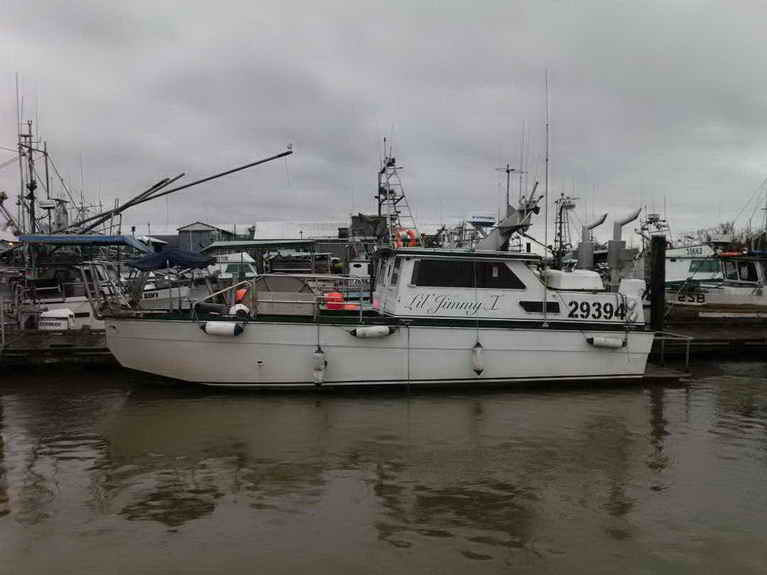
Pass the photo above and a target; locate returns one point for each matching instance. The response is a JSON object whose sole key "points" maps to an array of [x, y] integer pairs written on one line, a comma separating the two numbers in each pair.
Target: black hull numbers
{"points": [[691, 298], [596, 310]]}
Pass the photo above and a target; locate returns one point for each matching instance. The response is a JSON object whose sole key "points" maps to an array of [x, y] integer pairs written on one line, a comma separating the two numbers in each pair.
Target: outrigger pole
{"points": [[104, 216], [155, 191]]}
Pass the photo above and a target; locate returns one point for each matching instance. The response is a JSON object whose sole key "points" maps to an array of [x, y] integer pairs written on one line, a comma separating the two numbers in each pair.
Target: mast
{"points": [[393, 204], [47, 185], [31, 182]]}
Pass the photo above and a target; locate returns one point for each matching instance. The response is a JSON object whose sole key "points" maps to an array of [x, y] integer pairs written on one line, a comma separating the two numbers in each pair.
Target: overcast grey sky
{"points": [[648, 100]]}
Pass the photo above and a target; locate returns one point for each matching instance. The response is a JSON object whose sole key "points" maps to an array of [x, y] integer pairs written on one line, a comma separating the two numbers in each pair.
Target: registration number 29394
{"points": [[596, 310]]}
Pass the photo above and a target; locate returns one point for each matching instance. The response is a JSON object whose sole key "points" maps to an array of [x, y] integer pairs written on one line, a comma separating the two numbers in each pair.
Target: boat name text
{"points": [[433, 303]]}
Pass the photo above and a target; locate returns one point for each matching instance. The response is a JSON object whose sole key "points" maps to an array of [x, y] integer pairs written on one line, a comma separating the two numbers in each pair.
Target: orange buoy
{"points": [[334, 300], [239, 295], [351, 307]]}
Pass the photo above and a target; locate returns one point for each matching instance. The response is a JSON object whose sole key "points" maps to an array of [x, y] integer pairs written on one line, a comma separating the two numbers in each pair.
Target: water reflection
{"points": [[658, 460], [490, 479], [4, 502]]}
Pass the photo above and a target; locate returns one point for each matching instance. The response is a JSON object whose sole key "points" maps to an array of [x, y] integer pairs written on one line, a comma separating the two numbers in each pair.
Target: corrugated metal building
{"points": [[197, 236]]}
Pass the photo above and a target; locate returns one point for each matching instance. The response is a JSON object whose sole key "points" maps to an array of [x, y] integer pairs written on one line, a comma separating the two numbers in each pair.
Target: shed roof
{"points": [[265, 243], [202, 227], [83, 240]]}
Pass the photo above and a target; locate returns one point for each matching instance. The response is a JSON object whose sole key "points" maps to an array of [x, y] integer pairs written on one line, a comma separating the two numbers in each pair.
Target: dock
{"points": [[701, 339], [35, 347], [660, 375]]}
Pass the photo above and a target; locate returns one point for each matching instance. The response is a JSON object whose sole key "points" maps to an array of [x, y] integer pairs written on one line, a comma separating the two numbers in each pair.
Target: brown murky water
{"points": [[109, 472]]}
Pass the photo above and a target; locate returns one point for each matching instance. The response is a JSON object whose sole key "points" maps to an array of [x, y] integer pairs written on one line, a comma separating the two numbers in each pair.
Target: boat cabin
{"points": [[418, 282], [742, 270]]}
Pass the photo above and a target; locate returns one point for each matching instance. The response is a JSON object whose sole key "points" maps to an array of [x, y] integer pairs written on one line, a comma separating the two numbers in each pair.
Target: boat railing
{"points": [[103, 292], [664, 336], [306, 302]]}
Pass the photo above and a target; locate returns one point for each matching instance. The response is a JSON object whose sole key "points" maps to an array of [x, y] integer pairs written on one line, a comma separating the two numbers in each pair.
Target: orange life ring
{"points": [[405, 237]]}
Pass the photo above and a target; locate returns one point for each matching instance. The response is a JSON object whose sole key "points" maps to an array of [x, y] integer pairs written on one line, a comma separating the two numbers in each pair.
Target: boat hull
{"points": [[276, 354]]}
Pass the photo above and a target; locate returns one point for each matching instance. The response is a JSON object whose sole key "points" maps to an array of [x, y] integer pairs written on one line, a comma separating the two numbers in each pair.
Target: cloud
{"points": [[650, 104]]}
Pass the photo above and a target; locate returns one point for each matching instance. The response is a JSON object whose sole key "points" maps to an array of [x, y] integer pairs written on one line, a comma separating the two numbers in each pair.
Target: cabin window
{"points": [[747, 272], [730, 271], [236, 268], [465, 274], [377, 273], [395, 271], [704, 267], [387, 273], [497, 275]]}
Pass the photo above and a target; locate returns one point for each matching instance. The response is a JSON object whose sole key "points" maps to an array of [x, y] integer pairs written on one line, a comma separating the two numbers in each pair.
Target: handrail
{"points": [[664, 336], [221, 291]]}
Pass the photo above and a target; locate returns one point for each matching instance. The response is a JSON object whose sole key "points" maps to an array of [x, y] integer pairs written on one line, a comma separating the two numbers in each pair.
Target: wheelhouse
{"points": [[742, 270]]}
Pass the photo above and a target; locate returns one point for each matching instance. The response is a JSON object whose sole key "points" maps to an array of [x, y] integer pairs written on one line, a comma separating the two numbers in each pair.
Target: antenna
{"points": [[546, 172], [521, 159], [509, 170], [19, 204], [546, 206]]}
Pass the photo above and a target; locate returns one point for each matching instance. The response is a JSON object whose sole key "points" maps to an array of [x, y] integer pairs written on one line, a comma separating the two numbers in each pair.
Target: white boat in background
{"points": [[698, 263], [235, 267]]}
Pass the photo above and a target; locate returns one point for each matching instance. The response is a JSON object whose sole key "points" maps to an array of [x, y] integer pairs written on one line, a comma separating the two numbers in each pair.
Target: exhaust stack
{"points": [[586, 247], [616, 247]]}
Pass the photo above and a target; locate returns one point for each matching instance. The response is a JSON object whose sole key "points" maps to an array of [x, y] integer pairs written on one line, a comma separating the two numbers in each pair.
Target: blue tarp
{"points": [[171, 258], [83, 240]]}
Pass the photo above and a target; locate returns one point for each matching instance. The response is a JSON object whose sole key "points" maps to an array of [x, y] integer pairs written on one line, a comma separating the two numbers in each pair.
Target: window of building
{"points": [[465, 274]]}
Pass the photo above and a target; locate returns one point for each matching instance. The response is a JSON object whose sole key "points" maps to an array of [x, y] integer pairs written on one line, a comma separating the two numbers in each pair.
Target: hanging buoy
{"points": [[319, 363], [334, 300], [224, 328], [372, 331], [240, 310], [477, 362], [609, 342], [240, 294]]}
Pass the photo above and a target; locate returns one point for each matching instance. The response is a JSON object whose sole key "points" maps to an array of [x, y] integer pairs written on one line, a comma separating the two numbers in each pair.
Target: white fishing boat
{"points": [[735, 290], [442, 317], [438, 316]]}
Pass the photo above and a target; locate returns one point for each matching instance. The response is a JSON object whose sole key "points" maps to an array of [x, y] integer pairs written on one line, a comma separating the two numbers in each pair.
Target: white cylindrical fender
{"points": [[372, 331], [477, 361], [609, 342], [224, 328], [319, 364]]}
